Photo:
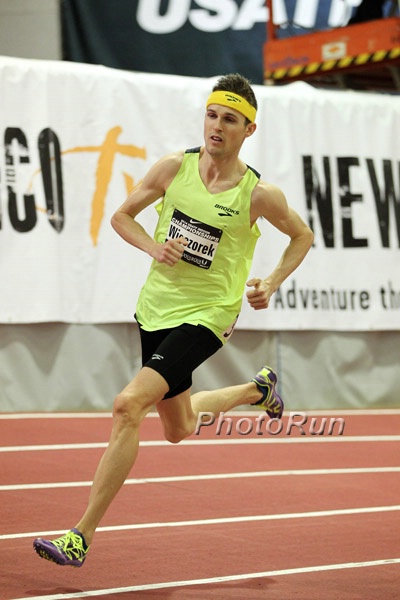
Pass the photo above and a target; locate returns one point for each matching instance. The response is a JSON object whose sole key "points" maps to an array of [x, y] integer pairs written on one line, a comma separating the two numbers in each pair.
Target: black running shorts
{"points": [[175, 353]]}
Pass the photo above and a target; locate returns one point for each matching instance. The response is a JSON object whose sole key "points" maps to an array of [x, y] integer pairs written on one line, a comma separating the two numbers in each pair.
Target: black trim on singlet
{"points": [[195, 150], [256, 173]]}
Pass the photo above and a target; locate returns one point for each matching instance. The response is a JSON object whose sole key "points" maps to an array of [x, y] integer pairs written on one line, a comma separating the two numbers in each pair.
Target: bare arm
{"points": [[269, 201], [147, 192]]}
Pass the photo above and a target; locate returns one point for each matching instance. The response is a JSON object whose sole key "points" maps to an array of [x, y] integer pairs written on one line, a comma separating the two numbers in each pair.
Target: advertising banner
{"points": [[75, 139]]}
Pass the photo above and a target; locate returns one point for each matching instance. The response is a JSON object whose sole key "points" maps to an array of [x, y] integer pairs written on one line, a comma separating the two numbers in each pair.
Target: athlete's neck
{"points": [[220, 173]]}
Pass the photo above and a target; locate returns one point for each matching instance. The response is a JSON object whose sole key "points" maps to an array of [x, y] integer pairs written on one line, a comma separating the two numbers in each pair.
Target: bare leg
{"points": [[130, 407], [179, 417], [179, 414], [225, 399]]}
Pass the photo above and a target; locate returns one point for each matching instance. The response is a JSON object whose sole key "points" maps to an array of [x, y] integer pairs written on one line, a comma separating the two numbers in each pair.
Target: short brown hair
{"points": [[238, 84]]}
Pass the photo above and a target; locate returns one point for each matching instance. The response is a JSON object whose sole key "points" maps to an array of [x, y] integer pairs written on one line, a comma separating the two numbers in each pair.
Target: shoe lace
{"points": [[71, 545]]}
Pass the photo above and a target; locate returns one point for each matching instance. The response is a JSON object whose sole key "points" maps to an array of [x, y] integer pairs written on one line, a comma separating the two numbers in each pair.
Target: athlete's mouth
{"points": [[216, 138]]}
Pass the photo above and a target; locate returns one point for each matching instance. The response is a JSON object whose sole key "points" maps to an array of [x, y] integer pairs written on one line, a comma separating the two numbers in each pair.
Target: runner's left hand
{"points": [[260, 295]]}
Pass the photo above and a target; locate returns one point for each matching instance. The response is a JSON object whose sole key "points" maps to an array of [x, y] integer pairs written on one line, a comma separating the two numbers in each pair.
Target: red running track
{"points": [[299, 517]]}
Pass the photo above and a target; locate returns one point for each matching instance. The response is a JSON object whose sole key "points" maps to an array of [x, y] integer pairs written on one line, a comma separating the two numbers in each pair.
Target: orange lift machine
{"points": [[361, 56]]}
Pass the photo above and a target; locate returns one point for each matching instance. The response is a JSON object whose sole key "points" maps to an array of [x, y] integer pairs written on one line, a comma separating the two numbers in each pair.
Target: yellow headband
{"points": [[234, 101]]}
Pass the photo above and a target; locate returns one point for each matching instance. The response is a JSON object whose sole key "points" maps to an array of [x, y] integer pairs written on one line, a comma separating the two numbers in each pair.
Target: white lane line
{"points": [[44, 447], [216, 580], [233, 413], [205, 477], [22, 416], [221, 521], [268, 439]]}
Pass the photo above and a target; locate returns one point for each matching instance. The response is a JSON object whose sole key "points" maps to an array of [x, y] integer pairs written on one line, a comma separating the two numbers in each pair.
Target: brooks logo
{"points": [[228, 212]]}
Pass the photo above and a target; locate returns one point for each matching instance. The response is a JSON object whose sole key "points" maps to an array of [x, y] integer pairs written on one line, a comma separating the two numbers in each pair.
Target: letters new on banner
{"points": [[77, 138]]}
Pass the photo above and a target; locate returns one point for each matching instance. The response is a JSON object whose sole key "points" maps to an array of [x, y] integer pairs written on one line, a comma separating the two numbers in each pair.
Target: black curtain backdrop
{"points": [[200, 38], [107, 32]]}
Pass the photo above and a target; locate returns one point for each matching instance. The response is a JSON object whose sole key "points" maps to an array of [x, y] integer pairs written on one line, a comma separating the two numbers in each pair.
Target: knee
{"points": [[177, 434], [127, 410]]}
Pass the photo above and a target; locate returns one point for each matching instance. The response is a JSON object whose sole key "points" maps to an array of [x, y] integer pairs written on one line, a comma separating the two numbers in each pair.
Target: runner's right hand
{"points": [[170, 252]]}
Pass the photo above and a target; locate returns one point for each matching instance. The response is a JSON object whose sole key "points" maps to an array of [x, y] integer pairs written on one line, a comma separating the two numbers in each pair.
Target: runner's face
{"points": [[225, 130]]}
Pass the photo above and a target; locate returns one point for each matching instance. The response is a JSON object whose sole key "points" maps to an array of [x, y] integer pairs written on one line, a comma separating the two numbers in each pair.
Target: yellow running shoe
{"points": [[266, 380], [69, 549]]}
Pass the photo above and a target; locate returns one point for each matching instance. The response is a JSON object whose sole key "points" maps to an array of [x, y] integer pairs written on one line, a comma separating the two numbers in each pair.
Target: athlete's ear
{"points": [[250, 129]]}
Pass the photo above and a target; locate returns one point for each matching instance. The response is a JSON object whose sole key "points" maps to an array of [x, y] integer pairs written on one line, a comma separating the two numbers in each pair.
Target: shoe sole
{"points": [[56, 558]]}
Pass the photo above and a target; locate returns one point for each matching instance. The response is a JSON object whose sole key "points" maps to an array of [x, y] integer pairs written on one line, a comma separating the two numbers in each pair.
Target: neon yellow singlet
{"points": [[206, 286]]}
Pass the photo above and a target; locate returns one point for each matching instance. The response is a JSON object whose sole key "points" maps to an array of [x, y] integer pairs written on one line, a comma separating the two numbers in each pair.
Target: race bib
{"points": [[203, 239]]}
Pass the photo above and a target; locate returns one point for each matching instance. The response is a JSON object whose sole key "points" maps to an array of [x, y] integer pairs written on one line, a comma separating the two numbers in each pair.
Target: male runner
{"points": [[202, 251]]}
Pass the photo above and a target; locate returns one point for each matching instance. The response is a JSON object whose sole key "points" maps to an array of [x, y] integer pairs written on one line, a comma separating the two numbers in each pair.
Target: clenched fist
{"points": [[260, 295], [170, 252]]}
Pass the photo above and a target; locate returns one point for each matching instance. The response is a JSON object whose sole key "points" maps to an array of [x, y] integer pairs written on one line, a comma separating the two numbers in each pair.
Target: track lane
{"points": [[127, 558], [75, 465], [58, 509], [172, 554], [74, 430]]}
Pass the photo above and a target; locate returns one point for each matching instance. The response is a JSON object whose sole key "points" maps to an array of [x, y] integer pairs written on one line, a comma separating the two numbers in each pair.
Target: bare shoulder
{"points": [[160, 175], [172, 160], [267, 201], [165, 169], [153, 185]]}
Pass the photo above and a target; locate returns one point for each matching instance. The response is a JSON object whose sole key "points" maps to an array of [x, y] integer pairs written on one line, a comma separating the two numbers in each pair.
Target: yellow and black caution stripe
{"points": [[315, 68]]}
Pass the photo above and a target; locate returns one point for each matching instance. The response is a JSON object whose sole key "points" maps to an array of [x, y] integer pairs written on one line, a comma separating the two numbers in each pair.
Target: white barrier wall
{"points": [[76, 138], [65, 367]]}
